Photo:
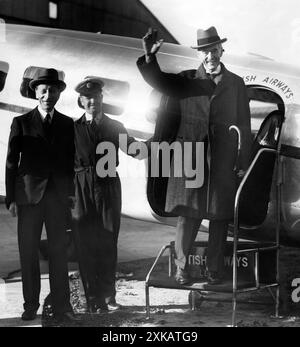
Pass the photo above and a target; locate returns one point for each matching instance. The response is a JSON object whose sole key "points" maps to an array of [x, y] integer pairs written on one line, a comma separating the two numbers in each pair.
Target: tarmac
{"points": [[139, 243], [137, 240]]}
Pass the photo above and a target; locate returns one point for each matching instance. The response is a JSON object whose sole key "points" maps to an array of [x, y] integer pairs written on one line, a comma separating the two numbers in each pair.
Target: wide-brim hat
{"points": [[47, 76], [208, 38], [91, 85]]}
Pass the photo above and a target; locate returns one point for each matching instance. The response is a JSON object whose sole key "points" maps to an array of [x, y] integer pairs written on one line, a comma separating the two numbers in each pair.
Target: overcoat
{"points": [[207, 110], [98, 200], [97, 211]]}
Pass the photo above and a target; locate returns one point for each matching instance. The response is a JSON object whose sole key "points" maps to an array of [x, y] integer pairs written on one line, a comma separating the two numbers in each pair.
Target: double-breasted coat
{"points": [[97, 211], [206, 111]]}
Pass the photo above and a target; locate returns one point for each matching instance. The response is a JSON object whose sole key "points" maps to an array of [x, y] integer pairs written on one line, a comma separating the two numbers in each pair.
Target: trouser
{"points": [[186, 233], [97, 251], [30, 223], [96, 224]]}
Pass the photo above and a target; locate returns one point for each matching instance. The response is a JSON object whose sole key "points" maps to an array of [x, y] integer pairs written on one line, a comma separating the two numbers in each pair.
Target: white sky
{"points": [[267, 27]]}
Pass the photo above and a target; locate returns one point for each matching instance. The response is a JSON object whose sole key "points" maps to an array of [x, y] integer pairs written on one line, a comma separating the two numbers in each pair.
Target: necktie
{"points": [[47, 125], [213, 76]]}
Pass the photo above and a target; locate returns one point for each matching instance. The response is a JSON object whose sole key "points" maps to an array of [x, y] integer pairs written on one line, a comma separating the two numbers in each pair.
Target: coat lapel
{"points": [[37, 124], [224, 82], [85, 134], [200, 73]]}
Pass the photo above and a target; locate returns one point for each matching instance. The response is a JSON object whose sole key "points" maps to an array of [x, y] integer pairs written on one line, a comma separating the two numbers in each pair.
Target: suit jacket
{"points": [[206, 111], [32, 159]]}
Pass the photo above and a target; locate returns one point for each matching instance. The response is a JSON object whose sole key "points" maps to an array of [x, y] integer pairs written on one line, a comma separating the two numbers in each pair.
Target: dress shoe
{"points": [[113, 306], [97, 308], [66, 317], [182, 277], [29, 315], [213, 278]]}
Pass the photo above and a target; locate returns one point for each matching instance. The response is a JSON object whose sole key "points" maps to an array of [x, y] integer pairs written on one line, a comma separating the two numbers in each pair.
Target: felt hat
{"points": [[207, 38], [47, 76]]}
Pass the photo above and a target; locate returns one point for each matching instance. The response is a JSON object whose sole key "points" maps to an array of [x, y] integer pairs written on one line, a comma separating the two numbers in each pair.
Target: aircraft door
{"points": [[167, 118], [267, 113]]}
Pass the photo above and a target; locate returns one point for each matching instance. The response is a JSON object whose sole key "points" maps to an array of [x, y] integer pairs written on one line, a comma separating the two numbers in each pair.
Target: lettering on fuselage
{"points": [[275, 83]]}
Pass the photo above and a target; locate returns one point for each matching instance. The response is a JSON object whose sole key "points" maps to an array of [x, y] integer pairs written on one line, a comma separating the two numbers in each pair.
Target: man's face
{"points": [[92, 103], [47, 96], [211, 57]]}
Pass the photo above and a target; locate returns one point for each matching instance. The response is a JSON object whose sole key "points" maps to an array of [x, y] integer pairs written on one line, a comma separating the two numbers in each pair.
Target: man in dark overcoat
{"points": [[97, 211], [211, 100], [39, 184]]}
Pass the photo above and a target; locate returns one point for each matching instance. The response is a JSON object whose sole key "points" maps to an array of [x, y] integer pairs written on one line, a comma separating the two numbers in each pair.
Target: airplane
{"points": [[129, 99]]}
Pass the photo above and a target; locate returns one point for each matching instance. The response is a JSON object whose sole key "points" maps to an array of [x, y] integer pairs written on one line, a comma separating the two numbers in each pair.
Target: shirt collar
{"points": [[216, 72], [88, 117], [44, 114]]}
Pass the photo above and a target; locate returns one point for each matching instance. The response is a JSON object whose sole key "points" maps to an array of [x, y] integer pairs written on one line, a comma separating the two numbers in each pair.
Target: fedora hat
{"points": [[47, 76], [207, 38]]}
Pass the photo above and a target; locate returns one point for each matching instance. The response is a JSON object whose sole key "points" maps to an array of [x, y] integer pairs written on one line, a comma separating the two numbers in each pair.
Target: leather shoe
{"points": [[113, 306], [182, 277], [97, 308], [29, 315], [66, 317], [213, 278]]}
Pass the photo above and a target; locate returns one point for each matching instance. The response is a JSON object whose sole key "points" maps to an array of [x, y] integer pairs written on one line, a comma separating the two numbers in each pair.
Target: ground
{"points": [[139, 243], [170, 307]]}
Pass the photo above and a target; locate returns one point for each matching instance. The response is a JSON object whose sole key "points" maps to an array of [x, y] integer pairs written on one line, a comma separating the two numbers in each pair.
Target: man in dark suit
{"points": [[39, 184], [211, 99]]}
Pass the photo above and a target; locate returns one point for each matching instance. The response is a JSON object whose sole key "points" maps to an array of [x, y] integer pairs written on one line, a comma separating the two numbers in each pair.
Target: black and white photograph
{"points": [[149, 166]]}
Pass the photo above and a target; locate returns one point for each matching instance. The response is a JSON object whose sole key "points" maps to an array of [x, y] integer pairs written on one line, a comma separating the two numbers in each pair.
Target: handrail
{"points": [[258, 249], [237, 198], [248, 172], [156, 260], [236, 224]]}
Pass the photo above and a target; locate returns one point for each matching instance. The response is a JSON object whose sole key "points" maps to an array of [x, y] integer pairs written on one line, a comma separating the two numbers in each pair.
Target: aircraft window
{"points": [[115, 94], [3, 74], [159, 103], [28, 76], [53, 10], [262, 102]]}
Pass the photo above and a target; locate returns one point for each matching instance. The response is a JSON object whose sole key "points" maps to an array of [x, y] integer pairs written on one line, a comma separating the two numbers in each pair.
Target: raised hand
{"points": [[150, 43]]}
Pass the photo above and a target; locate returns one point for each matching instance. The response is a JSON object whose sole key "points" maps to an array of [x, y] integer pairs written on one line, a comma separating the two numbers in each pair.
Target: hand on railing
{"points": [[240, 173]]}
